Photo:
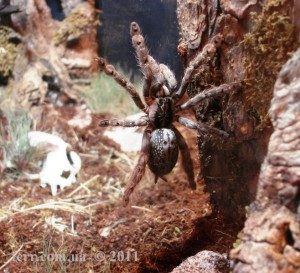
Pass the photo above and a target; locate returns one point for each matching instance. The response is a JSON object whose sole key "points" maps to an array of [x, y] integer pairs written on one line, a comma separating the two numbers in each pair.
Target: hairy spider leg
{"points": [[201, 127], [141, 121], [110, 70], [210, 93], [139, 169], [152, 74], [186, 159], [142, 54], [207, 51], [155, 74], [169, 76]]}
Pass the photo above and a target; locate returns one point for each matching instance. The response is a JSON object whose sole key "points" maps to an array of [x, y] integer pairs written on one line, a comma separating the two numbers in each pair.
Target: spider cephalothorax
{"points": [[161, 140]]}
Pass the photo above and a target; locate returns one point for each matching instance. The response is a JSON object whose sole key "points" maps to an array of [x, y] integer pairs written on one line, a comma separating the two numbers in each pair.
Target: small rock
{"points": [[204, 262]]}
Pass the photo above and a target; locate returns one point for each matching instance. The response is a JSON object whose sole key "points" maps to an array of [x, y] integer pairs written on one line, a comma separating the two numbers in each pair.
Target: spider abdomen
{"points": [[163, 151]]}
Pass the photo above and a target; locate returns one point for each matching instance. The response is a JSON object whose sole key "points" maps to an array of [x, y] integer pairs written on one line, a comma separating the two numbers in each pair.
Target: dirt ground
{"points": [[164, 223]]}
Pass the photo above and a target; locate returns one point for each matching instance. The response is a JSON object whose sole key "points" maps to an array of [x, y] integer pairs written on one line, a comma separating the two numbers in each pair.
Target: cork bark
{"points": [[270, 240]]}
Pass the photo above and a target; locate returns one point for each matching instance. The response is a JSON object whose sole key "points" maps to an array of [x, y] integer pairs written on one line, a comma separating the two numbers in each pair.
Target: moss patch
{"points": [[77, 23], [267, 47], [8, 52]]}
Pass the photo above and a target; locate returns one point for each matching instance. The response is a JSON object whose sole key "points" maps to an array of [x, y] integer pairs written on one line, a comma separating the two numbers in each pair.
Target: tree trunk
{"points": [[230, 169]]}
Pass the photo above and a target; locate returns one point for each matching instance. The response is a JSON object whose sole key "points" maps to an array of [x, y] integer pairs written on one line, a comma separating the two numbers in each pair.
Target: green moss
{"points": [[267, 47], [8, 52], [77, 23]]}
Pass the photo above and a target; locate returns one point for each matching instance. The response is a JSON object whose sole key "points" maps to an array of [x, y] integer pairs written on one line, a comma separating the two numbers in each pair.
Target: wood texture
{"points": [[270, 241]]}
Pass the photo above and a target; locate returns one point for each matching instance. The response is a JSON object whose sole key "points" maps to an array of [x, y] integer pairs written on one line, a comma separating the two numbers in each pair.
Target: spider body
{"points": [[163, 151], [161, 112], [161, 140]]}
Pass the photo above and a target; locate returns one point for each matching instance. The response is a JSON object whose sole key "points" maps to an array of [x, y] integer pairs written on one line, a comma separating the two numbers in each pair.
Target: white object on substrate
{"points": [[61, 165], [129, 139], [82, 119]]}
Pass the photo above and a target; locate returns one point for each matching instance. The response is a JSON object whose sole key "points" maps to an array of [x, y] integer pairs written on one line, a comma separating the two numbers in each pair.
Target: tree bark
{"points": [[230, 169], [270, 240], [253, 51]]}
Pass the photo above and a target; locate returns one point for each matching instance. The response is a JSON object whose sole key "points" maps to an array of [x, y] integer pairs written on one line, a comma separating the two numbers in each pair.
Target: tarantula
{"points": [[161, 140]]}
